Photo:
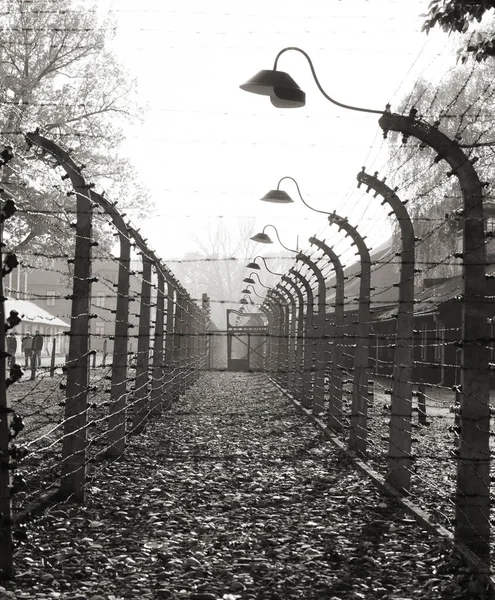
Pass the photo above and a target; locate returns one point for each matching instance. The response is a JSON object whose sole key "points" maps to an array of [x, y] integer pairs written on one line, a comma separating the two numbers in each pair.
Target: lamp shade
{"points": [[278, 197], [287, 97], [263, 238], [253, 265], [249, 280], [243, 301], [245, 291], [266, 81]]}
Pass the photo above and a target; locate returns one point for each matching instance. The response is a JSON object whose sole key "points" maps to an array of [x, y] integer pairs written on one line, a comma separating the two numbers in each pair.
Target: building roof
{"points": [[384, 279], [384, 274], [427, 301], [31, 313]]}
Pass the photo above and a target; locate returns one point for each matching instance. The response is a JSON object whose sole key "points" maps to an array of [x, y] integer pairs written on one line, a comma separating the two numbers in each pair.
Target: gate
{"points": [[246, 341]]}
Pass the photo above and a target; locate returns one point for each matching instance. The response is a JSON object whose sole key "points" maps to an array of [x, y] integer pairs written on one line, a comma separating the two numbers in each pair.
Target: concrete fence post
{"points": [[117, 420], [169, 343], [319, 336], [336, 375], [293, 341], [299, 338], [141, 385], [472, 520], [308, 362], [74, 445], [157, 361], [399, 449], [358, 433]]}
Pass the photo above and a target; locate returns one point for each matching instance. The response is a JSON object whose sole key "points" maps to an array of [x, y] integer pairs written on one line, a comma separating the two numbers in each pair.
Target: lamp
{"points": [[249, 279], [284, 91], [263, 238], [254, 265], [248, 291], [278, 196]]}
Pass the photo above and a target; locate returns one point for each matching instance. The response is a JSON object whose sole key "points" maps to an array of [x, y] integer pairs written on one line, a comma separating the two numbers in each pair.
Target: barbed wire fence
{"points": [[314, 345], [101, 384], [403, 383]]}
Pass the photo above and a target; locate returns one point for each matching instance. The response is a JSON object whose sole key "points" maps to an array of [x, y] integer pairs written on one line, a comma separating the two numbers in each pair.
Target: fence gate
{"points": [[246, 341]]}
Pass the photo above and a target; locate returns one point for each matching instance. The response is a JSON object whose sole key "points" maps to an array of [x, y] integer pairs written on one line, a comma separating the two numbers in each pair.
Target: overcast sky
{"points": [[209, 151]]}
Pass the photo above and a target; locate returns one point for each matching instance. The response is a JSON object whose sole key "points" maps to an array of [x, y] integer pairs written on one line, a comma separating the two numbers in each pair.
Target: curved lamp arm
{"points": [[313, 72], [279, 196], [323, 212], [252, 286], [266, 266], [251, 280], [266, 239], [267, 287]]}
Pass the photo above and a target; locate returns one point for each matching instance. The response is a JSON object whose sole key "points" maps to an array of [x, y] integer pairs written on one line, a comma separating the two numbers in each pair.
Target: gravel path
{"points": [[233, 495]]}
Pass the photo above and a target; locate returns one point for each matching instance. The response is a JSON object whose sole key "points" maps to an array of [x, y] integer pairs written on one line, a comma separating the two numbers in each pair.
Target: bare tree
{"points": [[218, 266]]}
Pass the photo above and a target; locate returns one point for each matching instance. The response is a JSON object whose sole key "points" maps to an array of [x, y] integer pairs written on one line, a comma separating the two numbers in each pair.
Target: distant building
{"points": [[49, 289], [437, 313], [33, 318]]}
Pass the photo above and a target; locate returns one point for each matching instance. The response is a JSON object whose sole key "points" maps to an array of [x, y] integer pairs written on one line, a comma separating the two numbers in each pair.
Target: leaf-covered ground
{"points": [[233, 495]]}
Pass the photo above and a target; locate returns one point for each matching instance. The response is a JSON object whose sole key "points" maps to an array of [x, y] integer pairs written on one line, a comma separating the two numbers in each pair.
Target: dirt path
{"points": [[232, 495]]}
